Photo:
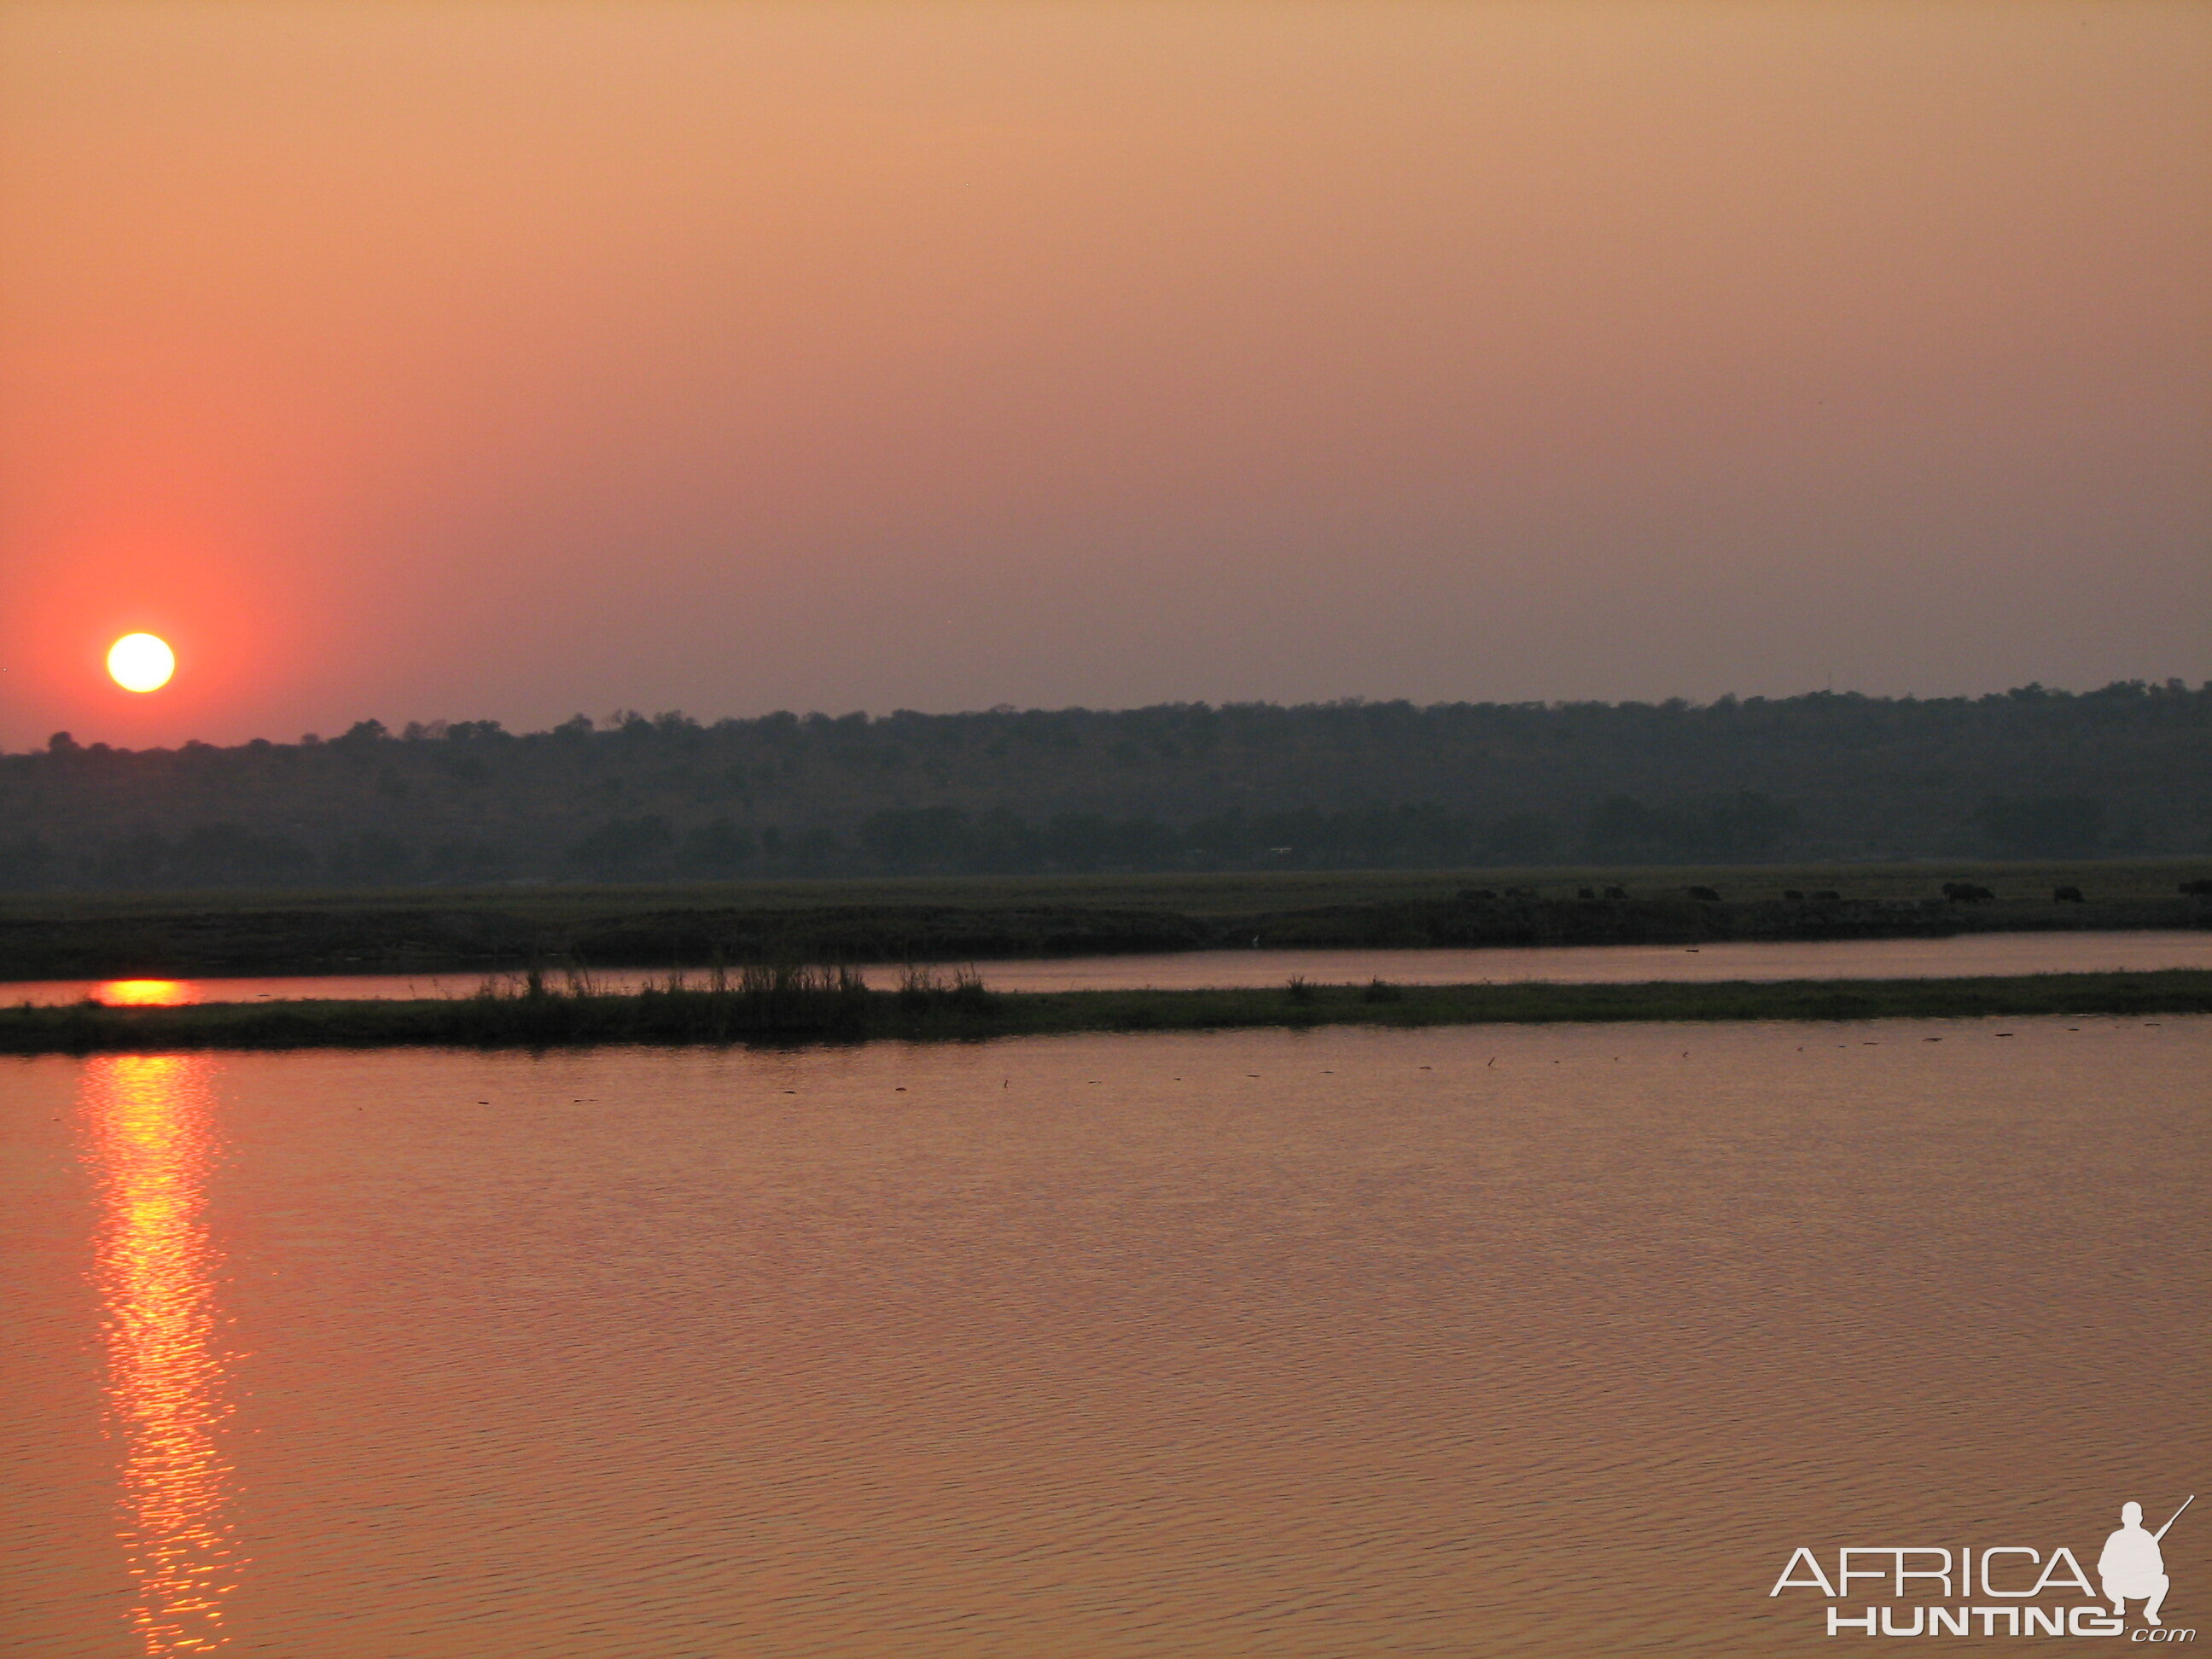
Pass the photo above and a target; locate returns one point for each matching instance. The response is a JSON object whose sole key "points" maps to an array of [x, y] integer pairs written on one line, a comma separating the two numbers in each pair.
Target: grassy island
{"points": [[828, 1004]]}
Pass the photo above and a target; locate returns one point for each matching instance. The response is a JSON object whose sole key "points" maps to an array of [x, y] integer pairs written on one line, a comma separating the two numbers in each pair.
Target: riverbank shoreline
{"points": [[831, 1007], [190, 936]]}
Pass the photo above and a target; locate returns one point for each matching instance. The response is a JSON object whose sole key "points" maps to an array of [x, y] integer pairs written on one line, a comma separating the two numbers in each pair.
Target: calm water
{"points": [[1893, 958], [1472, 1341]]}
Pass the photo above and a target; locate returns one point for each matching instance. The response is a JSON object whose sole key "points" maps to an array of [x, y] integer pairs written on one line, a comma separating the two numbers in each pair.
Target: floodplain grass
{"points": [[1224, 893], [88, 935], [815, 1005]]}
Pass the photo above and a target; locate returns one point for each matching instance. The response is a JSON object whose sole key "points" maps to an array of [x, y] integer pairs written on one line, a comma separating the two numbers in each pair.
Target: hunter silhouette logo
{"points": [[2131, 1565], [1996, 1589]]}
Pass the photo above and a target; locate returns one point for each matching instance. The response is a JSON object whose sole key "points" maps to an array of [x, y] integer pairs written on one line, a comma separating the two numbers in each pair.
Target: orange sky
{"points": [[505, 360]]}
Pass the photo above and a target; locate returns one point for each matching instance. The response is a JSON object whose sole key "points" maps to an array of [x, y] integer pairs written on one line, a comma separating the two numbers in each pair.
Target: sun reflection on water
{"points": [[150, 1122], [143, 992]]}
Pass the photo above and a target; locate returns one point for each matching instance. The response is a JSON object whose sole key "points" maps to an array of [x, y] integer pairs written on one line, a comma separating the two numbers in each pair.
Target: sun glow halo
{"points": [[141, 662]]}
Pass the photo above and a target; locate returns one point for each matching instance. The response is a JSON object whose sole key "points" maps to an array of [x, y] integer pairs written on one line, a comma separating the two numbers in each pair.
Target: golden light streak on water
{"points": [[150, 1126], [142, 994]]}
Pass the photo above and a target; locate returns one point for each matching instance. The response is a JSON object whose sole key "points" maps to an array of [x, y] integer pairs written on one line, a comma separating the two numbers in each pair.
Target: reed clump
{"points": [[718, 1006], [924, 989]]}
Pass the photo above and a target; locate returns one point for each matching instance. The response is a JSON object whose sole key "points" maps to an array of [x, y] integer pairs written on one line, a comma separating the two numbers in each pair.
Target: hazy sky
{"points": [[505, 360]]}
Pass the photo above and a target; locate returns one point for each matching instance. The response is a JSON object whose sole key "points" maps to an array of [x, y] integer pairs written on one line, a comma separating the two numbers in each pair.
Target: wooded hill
{"points": [[2028, 773]]}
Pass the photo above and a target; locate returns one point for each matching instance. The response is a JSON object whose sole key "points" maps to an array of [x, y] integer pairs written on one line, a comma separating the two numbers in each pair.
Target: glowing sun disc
{"points": [[141, 662]]}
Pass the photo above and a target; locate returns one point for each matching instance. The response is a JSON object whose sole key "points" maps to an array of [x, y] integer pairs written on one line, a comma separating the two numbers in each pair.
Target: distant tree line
{"points": [[2031, 773]]}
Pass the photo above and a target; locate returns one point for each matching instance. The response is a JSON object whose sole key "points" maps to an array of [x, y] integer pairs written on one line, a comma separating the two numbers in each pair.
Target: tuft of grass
{"points": [[923, 988]]}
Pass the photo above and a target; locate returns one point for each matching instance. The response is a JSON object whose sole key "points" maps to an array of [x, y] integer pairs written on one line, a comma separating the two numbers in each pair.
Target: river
{"points": [[1459, 1341]]}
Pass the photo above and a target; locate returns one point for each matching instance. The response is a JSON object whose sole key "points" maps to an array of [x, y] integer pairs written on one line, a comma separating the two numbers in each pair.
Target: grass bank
{"points": [[818, 1005], [921, 919]]}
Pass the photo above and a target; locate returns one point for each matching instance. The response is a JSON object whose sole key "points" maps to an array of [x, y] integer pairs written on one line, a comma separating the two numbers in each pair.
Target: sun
{"points": [[141, 662]]}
